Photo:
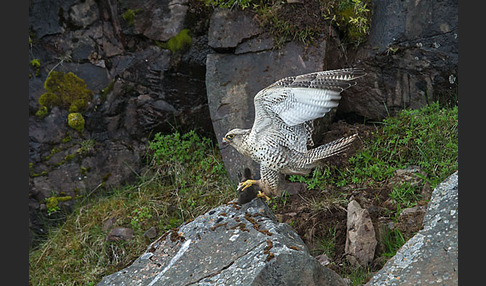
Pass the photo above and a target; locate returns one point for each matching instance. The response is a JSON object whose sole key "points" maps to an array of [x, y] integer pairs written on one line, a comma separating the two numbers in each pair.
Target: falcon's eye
{"points": [[230, 136]]}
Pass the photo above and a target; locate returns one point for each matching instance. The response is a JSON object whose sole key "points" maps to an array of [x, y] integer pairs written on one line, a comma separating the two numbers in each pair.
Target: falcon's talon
{"points": [[243, 185], [263, 196]]}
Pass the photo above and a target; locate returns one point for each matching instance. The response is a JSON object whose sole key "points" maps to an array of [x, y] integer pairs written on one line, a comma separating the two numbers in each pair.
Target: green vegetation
{"points": [[42, 112], [52, 203], [66, 91], [129, 16], [426, 137], [35, 64], [327, 242], [352, 18], [304, 21], [185, 178], [76, 121], [243, 4], [177, 44], [393, 240]]}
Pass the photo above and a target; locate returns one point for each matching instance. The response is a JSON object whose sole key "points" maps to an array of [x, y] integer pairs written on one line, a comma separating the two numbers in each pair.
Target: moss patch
{"points": [[76, 121], [67, 91], [179, 43], [129, 16], [52, 203]]}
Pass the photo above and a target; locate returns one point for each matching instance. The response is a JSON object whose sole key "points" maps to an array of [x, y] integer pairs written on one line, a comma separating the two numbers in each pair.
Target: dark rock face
{"points": [[229, 245], [431, 256], [139, 89], [411, 57]]}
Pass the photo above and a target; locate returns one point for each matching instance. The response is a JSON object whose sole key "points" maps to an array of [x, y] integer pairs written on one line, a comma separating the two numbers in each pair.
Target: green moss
{"points": [[67, 91], [67, 139], [53, 151], [52, 203], [129, 16], [35, 64], [68, 158], [42, 112], [43, 173], [104, 92], [49, 100], [76, 121], [84, 170], [177, 44]]}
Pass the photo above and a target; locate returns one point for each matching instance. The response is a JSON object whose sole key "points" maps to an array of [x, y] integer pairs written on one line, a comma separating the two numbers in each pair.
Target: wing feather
{"points": [[298, 100]]}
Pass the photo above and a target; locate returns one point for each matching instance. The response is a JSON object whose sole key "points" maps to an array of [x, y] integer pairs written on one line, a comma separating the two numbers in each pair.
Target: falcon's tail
{"points": [[330, 149]]}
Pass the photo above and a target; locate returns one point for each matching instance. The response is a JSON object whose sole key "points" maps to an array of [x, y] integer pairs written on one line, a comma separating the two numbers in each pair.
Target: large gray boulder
{"points": [[431, 256], [229, 245]]}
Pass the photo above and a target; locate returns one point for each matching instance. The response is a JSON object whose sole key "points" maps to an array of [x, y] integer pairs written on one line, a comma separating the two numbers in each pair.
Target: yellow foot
{"points": [[262, 195], [246, 184]]}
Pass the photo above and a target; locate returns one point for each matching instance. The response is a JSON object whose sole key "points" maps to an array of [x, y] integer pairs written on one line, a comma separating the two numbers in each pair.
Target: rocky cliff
{"points": [[156, 65]]}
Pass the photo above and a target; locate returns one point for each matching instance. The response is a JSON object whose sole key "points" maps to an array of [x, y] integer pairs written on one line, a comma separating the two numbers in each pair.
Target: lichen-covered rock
{"points": [[431, 256], [229, 245]]}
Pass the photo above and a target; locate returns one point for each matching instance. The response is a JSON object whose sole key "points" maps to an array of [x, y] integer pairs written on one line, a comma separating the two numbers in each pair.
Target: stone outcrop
{"points": [[411, 57], [229, 245], [360, 238], [431, 256]]}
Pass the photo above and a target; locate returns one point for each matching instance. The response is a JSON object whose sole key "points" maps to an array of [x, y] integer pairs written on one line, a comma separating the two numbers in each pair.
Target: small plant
{"points": [[406, 195], [326, 244], [243, 4], [52, 203], [140, 215], [358, 276], [352, 18], [35, 64], [392, 240], [129, 16], [177, 44], [86, 146]]}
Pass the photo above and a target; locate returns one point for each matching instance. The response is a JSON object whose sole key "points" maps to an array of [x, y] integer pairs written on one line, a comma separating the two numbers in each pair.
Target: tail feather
{"points": [[330, 149]]}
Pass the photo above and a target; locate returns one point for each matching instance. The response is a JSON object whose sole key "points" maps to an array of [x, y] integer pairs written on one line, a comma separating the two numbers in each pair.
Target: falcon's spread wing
{"points": [[289, 106]]}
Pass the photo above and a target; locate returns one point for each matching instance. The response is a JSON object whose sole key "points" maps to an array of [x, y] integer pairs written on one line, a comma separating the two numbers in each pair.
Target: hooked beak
{"points": [[225, 142]]}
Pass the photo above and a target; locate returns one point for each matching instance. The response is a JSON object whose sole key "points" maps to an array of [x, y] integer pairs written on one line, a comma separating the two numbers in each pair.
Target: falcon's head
{"points": [[235, 138]]}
